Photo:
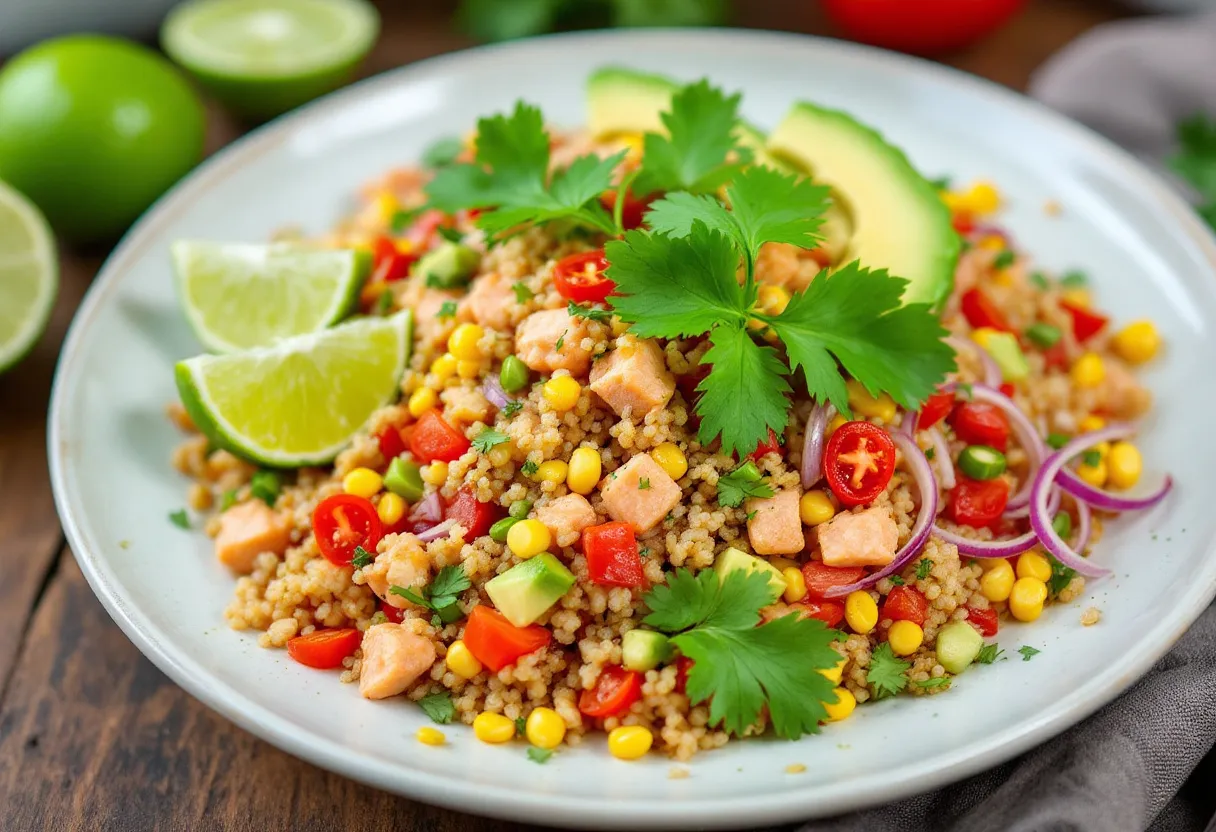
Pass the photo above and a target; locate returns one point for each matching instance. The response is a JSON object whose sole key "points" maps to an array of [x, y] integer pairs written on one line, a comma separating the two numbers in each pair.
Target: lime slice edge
{"points": [[32, 321]]}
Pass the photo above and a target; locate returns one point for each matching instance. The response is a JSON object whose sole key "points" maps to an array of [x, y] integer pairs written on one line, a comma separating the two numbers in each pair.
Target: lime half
{"points": [[300, 401], [264, 57], [29, 275], [238, 296]]}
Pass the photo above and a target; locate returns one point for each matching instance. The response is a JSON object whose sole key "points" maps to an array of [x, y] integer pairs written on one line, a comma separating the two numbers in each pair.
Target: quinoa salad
{"points": [[662, 429]]}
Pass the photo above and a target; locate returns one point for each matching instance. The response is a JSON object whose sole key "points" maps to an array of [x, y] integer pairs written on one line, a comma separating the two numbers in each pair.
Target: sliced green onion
{"points": [[981, 462], [1043, 335]]}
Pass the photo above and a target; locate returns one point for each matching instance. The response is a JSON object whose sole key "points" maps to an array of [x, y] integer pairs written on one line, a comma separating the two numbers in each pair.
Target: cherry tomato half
{"points": [[474, 515], [923, 27], [978, 503], [388, 264], [934, 410], [980, 311], [342, 522], [615, 690], [981, 423], [393, 614], [820, 578], [904, 603], [858, 462], [985, 621], [390, 442], [324, 649], [633, 212], [580, 277]]}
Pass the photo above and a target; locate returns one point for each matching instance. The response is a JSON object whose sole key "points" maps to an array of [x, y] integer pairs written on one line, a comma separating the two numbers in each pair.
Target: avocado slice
{"points": [[1007, 353], [449, 266], [899, 222], [644, 650], [525, 591], [731, 560]]}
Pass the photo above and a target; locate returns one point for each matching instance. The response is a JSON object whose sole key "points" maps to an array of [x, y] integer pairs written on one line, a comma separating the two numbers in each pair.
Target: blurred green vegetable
{"points": [[494, 20], [1196, 161]]}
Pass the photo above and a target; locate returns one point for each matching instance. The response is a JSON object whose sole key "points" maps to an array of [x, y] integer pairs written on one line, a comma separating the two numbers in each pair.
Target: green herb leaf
{"points": [[741, 483], [1039, 280], [439, 707], [403, 219], [643, 484], [887, 675], [447, 309], [180, 518], [539, 755], [941, 183], [1057, 440], [1091, 457], [442, 152], [512, 407], [384, 303], [898, 580], [988, 654], [227, 499], [1004, 259], [521, 726], [591, 313], [923, 567], [1196, 158], [561, 339], [1028, 652], [934, 682], [410, 595], [448, 583], [487, 439], [529, 468], [265, 485], [362, 558], [1074, 279], [744, 395], [1061, 576]]}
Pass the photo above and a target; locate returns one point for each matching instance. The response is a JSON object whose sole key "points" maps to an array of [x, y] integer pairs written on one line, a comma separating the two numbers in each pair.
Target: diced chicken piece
{"points": [[640, 493], [405, 563], [867, 538], [393, 659], [566, 517], [426, 302], [774, 527], [489, 302], [248, 529], [1120, 394], [466, 405], [633, 376], [537, 337]]}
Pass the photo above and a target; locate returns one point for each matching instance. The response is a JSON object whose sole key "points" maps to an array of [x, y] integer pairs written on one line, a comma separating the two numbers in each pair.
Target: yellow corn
{"points": [[671, 459], [362, 482], [1137, 342], [843, 707], [462, 662], [833, 673], [633, 143], [997, 582], [1124, 465], [861, 611], [1091, 423], [405, 247], [463, 342], [629, 742], [499, 455], [816, 507], [436, 473], [391, 508], [444, 367], [528, 538], [561, 392], [1027, 598], [993, 242], [983, 198], [544, 728], [386, 205], [795, 584], [619, 327], [1088, 371], [468, 369], [1076, 297], [835, 424], [493, 728], [1034, 565], [553, 471], [1095, 475], [773, 299], [583, 472], [430, 736], [422, 400], [956, 201], [880, 407], [905, 637]]}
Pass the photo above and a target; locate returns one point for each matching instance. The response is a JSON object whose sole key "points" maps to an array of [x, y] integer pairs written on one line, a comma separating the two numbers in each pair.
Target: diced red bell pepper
{"points": [[496, 642], [980, 311], [905, 603], [829, 612], [978, 503], [612, 555], [769, 446], [434, 440], [985, 621], [820, 578], [614, 692], [389, 264], [474, 515], [1085, 324], [934, 410], [390, 442]]}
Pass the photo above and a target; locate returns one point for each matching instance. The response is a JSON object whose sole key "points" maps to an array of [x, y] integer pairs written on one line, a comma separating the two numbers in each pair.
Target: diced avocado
{"points": [[958, 643], [526, 590], [404, 479], [644, 650], [732, 559], [899, 221], [449, 266], [1007, 353]]}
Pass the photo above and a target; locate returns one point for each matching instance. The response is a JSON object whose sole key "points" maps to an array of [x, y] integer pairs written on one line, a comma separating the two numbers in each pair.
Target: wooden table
{"points": [[92, 736]]}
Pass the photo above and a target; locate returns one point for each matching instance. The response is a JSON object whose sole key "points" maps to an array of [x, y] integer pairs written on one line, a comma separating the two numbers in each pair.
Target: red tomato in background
{"points": [[633, 212], [978, 503], [1085, 324], [324, 649], [922, 27], [858, 462], [905, 604], [981, 423], [341, 523], [820, 578], [388, 264], [392, 613], [612, 555], [390, 442], [615, 690], [985, 621], [471, 513], [580, 277]]}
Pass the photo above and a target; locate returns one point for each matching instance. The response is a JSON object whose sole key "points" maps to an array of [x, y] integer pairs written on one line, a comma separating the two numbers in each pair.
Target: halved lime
{"points": [[264, 57], [300, 401], [29, 275], [238, 296]]}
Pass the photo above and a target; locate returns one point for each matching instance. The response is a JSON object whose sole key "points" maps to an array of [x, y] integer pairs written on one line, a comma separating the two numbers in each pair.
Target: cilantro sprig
{"points": [[887, 675], [441, 596], [741, 483]]}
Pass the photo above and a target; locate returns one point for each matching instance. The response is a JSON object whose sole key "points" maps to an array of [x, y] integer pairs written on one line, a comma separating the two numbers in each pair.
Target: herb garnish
{"points": [[539, 755], [1005, 259], [923, 567], [589, 312], [1092, 457], [512, 407], [529, 468], [441, 596], [265, 485], [1196, 161], [933, 682], [362, 558], [487, 439], [643, 484], [522, 293], [180, 519], [1028, 652], [1061, 576], [888, 675], [1074, 279], [745, 481], [439, 707], [442, 152], [988, 654], [898, 580], [228, 499], [384, 303], [447, 309]]}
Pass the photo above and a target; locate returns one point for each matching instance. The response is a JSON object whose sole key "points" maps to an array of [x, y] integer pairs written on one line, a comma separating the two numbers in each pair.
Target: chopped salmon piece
{"points": [[633, 378], [404, 563], [465, 405], [426, 302], [1121, 395], [640, 493], [248, 529], [773, 525], [393, 659], [866, 538], [566, 517], [489, 302], [537, 338]]}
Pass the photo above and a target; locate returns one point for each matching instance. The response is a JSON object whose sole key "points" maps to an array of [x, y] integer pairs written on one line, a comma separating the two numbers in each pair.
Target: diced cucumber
{"points": [[958, 643]]}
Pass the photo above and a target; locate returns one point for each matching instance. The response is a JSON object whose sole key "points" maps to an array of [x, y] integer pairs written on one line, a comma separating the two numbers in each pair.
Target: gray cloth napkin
{"points": [[1126, 768]]}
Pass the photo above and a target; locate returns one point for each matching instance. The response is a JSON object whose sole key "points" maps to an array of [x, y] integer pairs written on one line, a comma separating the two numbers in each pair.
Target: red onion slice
{"points": [[941, 456], [813, 442], [491, 388], [427, 510], [1097, 497], [1041, 515], [992, 371], [1006, 548], [908, 425], [436, 532], [1084, 526], [927, 485]]}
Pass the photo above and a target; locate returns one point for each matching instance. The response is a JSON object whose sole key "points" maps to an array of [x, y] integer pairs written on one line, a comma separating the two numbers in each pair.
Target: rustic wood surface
{"points": [[92, 736]]}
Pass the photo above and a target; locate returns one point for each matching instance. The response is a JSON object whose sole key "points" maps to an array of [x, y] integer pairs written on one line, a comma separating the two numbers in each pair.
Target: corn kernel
{"points": [[1095, 475], [993, 242], [493, 728], [773, 299], [816, 507], [881, 406], [1076, 297], [843, 707], [795, 584], [671, 459], [390, 509], [583, 472], [983, 198], [905, 637], [1034, 565], [834, 673], [983, 335], [545, 728], [861, 611], [444, 367], [386, 206], [499, 455], [633, 144], [1137, 342], [629, 742], [422, 400], [461, 661], [955, 201], [553, 471], [835, 424], [561, 392], [468, 369], [463, 342], [528, 538], [363, 482], [431, 736], [1124, 465], [1088, 371], [1027, 598], [997, 582], [404, 246], [436, 473], [1091, 423]]}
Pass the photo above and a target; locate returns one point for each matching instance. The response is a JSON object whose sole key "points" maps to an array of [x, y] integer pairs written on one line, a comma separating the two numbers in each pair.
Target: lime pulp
{"points": [[29, 275]]}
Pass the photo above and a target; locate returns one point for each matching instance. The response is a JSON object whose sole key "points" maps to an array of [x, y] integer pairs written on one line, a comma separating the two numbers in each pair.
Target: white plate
{"points": [[1147, 253]]}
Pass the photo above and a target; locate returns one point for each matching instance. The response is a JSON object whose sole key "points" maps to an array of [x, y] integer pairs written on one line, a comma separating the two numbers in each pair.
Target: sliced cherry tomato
{"points": [[904, 603], [580, 277], [1055, 357], [388, 264], [978, 503], [612, 555], [496, 642], [683, 665], [820, 578], [985, 621], [934, 410], [434, 440], [769, 446], [980, 311], [1085, 324], [392, 613], [923, 27], [343, 522], [829, 612], [324, 649], [474, 515], [633, 212], [981, 423], [858, 462], [422, 233], [390, 442], [963, 223], [615, 690], [1007, 388]]}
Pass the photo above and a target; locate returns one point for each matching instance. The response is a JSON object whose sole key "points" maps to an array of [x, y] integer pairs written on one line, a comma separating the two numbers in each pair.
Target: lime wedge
{"points": [[300, 401], [29, 275], [264, 57], [238, 296]]}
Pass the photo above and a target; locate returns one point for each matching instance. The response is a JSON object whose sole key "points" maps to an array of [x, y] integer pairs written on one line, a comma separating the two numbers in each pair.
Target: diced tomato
{"points": [[474, 515], [769, 446], [934, 410], [683, 665], [434, 440], [392, 613], [985, 621], [963, 222], [324, 649], [388, 263], [615, 690], [343, 522], [981, 423], [905, 604], [858, 462], [1007, 388], [829, 612], [980, 311], [496, 642], [820, 578], [1085, 324], [580, 277], [1055, 357], [390, 442], [612, 555], [978, 503]]}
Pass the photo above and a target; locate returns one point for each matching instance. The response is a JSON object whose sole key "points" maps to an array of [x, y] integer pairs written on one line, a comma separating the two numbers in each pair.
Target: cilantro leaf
{"points": [[988, 654], [522, 293], [692, 156], [1061, 576], [887, 675], [923, 567], [744, 481], [1196, 158], [744, 394], [705, 599], [1028, 652], [774, 207], [512, 407], [410, 595], [442, 152], [439, 707], [521, 725], [362, 558], [180, 519], [450, 581], [591, 313], [676, 212], [447, 309], [933, 682], [539, 755], [228, 499], [855, 316], [440, 596], [529, 468], [487, 439]]}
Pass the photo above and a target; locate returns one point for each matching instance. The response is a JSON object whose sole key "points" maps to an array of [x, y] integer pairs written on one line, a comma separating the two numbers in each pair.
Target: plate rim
{"points": [[498, 801]]}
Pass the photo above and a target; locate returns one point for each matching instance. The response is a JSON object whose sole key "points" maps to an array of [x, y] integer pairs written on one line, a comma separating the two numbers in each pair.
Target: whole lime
{"points": [[93, 129]]}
